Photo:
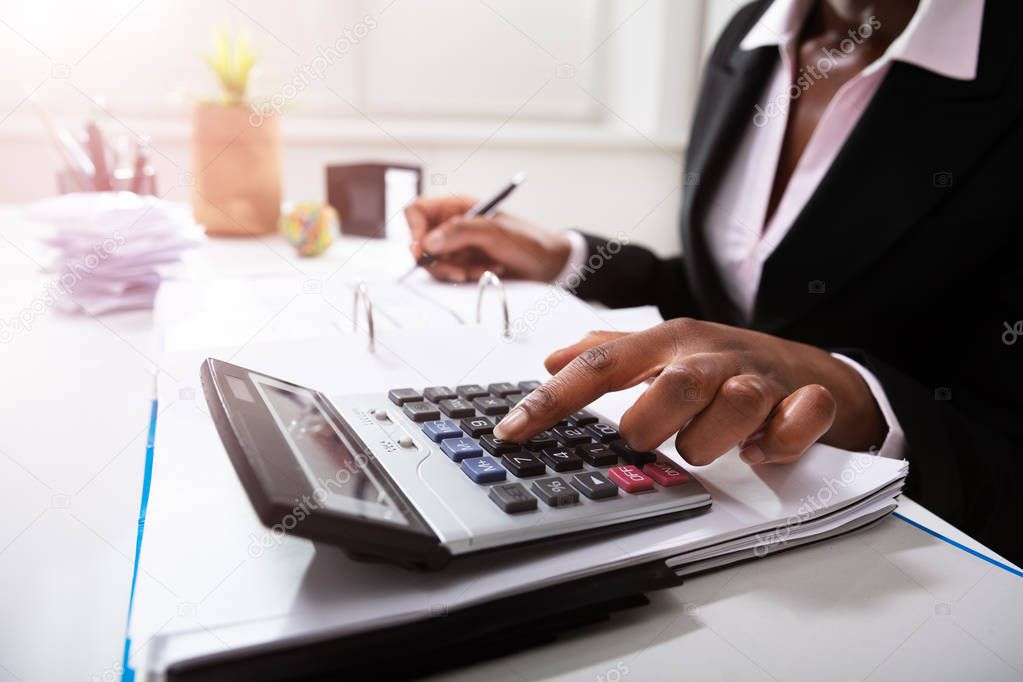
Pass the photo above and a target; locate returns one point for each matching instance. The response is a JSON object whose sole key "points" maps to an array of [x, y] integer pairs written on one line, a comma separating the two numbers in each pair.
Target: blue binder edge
{"points": [[958, 545], [127, 672]]}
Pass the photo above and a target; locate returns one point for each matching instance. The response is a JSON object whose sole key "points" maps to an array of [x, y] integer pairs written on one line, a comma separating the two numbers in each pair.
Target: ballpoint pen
{"points": [[484, 207]]}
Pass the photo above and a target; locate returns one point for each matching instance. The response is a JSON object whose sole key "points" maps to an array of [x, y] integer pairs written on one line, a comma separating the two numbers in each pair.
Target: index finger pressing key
{"points": [[606, 367]]}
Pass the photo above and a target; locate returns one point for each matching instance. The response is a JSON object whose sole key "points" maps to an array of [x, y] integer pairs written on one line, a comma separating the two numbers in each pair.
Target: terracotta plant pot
{"points": [[237, 160]]}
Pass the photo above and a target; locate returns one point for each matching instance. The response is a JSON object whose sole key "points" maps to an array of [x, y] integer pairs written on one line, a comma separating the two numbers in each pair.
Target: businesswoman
{"points": [[852, 269]]}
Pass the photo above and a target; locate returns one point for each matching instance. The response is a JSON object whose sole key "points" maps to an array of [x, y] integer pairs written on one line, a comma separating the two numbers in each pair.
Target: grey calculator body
{"points": [[357, 471]]}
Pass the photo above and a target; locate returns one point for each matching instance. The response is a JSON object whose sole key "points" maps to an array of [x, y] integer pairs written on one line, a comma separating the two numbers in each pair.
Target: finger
{"points": [[797, 423], [614, 365], [448, 272], [738, 410], [561, 357], [485, 234], [681, 391], [427, 213]]}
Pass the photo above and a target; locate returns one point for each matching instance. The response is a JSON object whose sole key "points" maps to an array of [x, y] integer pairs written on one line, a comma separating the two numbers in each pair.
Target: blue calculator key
{"points": [[483, 469], [460, 448], [440, 429]]}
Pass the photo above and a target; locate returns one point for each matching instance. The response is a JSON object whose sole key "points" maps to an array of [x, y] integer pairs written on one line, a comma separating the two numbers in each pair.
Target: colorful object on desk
{"points": [[310, 227]]}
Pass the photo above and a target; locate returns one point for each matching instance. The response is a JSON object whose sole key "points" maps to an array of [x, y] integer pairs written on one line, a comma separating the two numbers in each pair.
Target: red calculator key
{"points": [[630, 479], [666, 473]]}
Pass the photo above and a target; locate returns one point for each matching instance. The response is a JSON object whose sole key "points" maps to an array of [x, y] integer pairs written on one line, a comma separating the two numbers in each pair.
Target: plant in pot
{"points": [[236, 150]]}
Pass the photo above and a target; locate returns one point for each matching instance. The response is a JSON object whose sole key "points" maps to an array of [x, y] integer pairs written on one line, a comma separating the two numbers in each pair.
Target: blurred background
{"points": [[591, 98]]}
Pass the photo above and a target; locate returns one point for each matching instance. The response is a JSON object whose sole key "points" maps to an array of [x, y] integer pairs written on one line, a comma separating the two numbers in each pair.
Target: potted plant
{"points": [[236, 154]]}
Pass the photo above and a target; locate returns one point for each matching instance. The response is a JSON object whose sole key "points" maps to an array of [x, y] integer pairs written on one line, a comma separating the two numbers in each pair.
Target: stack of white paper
{"points": [[113, 249]]}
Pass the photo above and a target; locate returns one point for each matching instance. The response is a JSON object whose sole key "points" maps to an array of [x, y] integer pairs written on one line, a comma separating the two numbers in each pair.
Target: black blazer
{"points": [[908, 258]]}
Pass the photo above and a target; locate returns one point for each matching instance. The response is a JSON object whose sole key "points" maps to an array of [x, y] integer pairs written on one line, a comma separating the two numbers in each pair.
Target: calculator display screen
{"points": [[340, 477]]}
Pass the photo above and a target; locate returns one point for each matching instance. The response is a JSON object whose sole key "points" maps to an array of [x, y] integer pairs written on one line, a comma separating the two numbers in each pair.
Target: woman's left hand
{"points": [[716, 386]]}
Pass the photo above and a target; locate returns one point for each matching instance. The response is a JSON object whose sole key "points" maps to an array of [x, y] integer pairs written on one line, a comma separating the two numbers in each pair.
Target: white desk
{"points": [[75, 409]]}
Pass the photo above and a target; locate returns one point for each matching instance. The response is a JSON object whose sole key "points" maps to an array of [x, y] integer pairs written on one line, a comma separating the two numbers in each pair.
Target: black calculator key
{"points": [[421, 412], [523, 463], [561, 459], [582, 418], [470, 391], [605, 433], [528, 386], [456, 408], [633, 457], [400, 396], [541, 441], [571, 435], [554, 491], [502, 389], [496, 446], [514, 398], [594, 485], [477, 426], [597, 454], [435, 394], [490, 405], [512, 497]]}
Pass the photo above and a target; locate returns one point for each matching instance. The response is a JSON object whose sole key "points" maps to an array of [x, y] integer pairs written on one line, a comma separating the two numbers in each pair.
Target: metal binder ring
{"points": [[489, 279], [362, 294]]}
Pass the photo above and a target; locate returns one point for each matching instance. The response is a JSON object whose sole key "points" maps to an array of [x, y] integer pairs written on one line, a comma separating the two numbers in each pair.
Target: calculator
{"points": [[417, 477]]}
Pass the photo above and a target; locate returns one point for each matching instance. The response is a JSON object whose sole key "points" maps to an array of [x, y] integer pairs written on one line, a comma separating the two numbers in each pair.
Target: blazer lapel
{"points": [[920, 135], [725, 111]]}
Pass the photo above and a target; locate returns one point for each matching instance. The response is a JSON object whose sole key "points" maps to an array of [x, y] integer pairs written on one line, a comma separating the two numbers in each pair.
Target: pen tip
{"points": [[518, 178]]}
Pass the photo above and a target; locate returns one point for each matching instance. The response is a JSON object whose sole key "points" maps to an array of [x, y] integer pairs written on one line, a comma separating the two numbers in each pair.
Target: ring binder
{"points": [[362, 294], [489, 279]]}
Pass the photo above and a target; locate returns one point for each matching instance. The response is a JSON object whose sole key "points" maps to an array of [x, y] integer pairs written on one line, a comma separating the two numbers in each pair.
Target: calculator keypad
{"points": [[523, 463], [421, 411], [512, 497], [633, 457], [496, 446], [460, 448], [456, 408], [594, 459], [597, 454], [555, 492], [483, 469], [491, 406], [400, 396], [562, 459], [630, 479], [594, 485], [571, 435], [440, 429], [477, 426], [435, 394]]}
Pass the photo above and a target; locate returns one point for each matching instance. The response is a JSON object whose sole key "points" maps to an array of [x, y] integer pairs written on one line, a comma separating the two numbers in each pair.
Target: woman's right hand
{"points": [[466, 247]]}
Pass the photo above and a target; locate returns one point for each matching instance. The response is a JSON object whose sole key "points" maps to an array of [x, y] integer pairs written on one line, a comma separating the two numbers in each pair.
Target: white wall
{"points": [[590, 97]]}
